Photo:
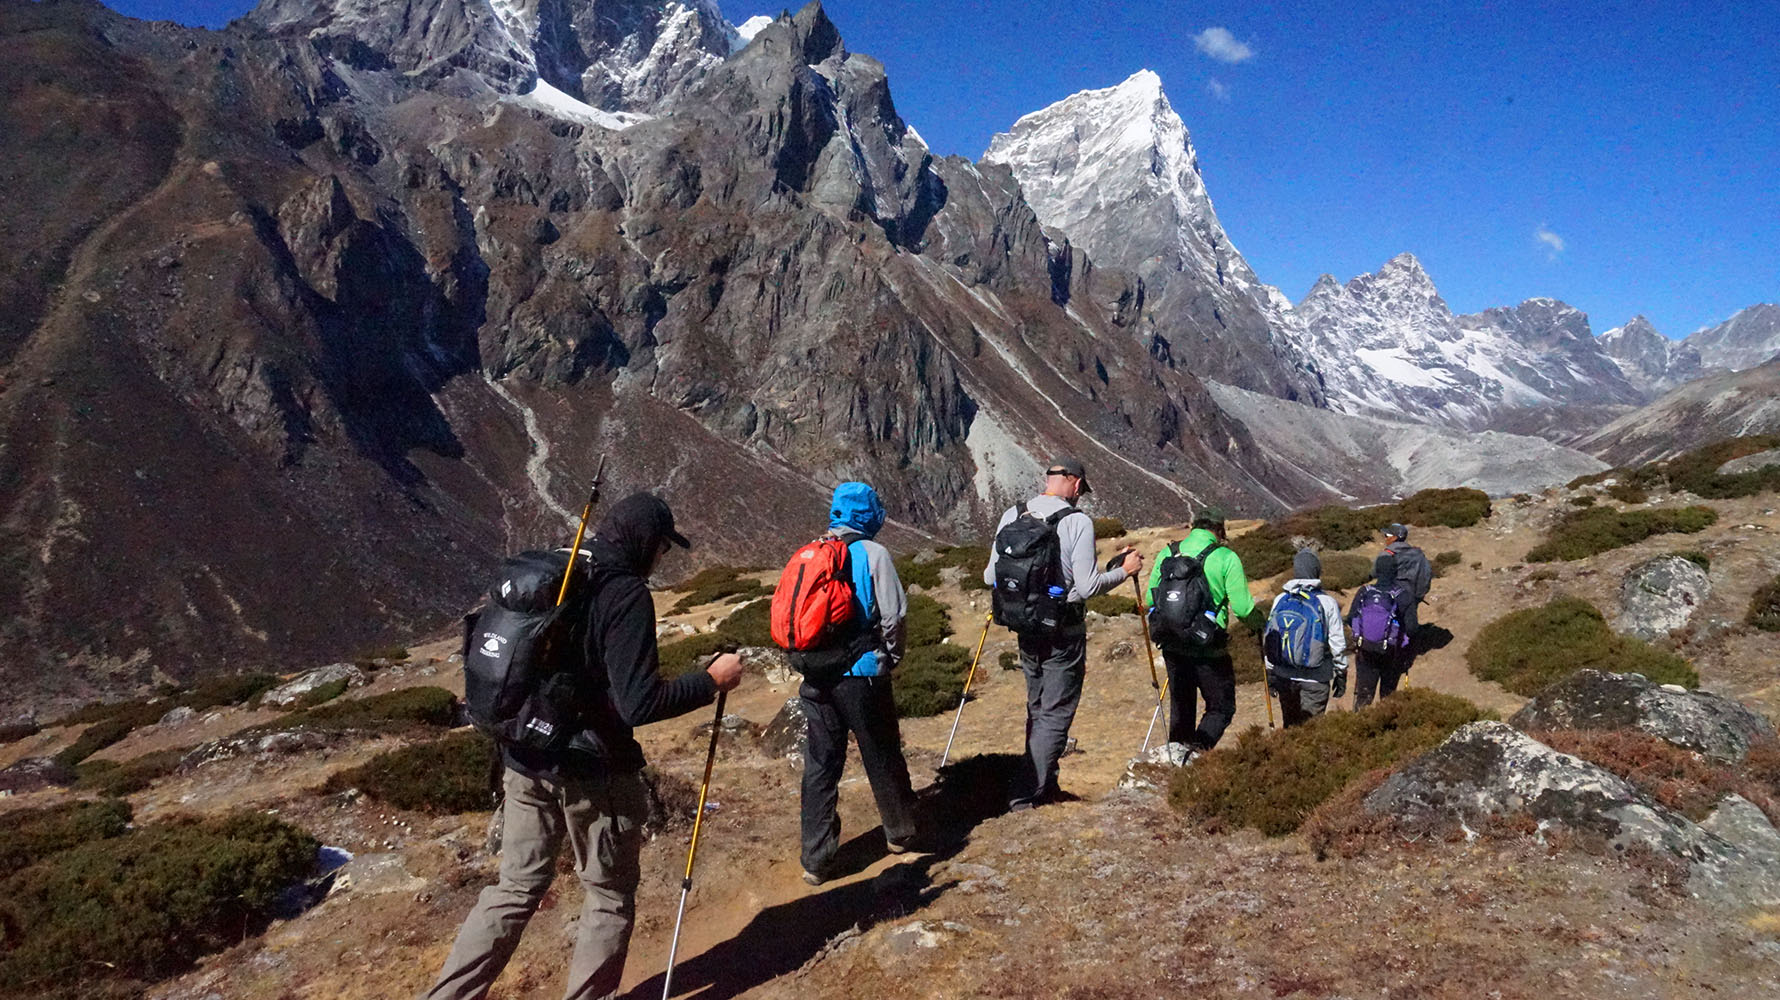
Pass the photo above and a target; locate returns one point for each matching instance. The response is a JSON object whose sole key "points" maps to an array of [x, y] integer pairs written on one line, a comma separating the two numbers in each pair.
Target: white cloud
{"points": [[1218, 89], [1221, 45], [1554, 244]]}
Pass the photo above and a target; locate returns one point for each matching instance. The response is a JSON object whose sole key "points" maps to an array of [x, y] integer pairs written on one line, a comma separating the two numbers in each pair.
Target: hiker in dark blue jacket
{"points": [[860, 701], [1379, 671]]}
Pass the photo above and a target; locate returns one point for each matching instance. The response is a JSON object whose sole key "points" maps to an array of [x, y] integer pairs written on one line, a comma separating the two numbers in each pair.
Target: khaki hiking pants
{"points": [[602, 819]]}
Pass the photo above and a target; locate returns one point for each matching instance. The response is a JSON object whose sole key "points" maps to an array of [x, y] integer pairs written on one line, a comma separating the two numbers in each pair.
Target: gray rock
{"points": [[1750, 463], [178, 716], [1593, 699], [289, 692], [34, 773], [769, 660], [1489, 770], [1751, 874], [1660, 595], [788, 734], [1153, 770], [1122, 649]]}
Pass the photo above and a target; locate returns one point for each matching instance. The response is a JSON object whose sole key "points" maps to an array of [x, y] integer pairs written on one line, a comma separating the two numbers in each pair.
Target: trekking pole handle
{"points": [[593, 497]]}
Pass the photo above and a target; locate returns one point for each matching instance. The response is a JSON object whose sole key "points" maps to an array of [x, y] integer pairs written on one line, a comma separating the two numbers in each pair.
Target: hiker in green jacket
{"points": [[1196, 586]]}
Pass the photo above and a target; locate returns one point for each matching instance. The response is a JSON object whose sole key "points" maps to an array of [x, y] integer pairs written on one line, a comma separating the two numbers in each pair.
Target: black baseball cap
{"points": [[1070, 467]]}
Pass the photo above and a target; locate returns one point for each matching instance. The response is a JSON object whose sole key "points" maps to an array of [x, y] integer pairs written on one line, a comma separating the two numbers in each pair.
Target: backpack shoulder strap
{"points": [[1057, 518]]}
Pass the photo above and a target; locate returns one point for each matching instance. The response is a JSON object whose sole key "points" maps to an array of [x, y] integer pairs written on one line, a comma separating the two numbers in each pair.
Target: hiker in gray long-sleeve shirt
{"points": [[1054, 659]]}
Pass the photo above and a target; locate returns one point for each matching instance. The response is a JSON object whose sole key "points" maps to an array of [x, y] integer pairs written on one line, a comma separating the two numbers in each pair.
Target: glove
{"points": [[1341, 684]]}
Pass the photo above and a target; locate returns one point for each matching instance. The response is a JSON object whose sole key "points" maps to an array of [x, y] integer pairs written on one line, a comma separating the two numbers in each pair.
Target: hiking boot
{"points": [[811, 878], [899, 846]]}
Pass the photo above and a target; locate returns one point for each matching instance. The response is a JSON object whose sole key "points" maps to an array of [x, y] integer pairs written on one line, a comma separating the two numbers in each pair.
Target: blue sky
{"points": [[1623, 157]]}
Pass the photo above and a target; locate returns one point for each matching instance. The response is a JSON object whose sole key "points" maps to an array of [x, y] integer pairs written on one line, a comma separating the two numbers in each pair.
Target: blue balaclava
{"points": [[856, 508]]}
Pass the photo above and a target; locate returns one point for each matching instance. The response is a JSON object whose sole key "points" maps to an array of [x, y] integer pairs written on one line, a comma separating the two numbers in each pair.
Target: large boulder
{"points": [[788, 734], [1490, 771], [1593, 699], [1750, 463], [290, 692], [1661, 595]]}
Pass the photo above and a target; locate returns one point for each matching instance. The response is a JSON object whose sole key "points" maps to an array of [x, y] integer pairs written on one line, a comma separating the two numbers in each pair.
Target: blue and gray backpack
{"points": [[1297, 635]]}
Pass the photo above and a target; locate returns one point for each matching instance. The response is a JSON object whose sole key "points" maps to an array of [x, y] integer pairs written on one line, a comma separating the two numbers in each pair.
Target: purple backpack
{"points": [[1374, 620]]}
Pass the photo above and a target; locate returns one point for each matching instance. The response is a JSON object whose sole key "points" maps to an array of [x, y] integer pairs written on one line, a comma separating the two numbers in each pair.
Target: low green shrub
{"points": [[146, 905], [1336, 528], [1345, 571], [118, 778], [1111, 605], [372, 657], [394, 711], [1697, 471], [93, 739], [1524, 651], [323, 694], [914, 572], [1764, 607], [718, 583], [1591, 532], [1628, 493], [682, 655], [446, 775], [1585, 500], [970, 560], [1445, 561], [1695, 556], [27, 836], [1108, 527], [1009, 659], [1448, 508], [927, 622], [1592, 478], [1265, 552], [748, 625], [930, 680], [1271, 780]]}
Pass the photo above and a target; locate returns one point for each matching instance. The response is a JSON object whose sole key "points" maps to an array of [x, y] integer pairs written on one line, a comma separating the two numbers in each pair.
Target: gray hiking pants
{"points": [[1299, 701], [602, 819], [1054, 666]]}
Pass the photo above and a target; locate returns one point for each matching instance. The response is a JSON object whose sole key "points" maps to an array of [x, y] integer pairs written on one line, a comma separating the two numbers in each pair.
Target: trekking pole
{"points": [[1153, 717], [593, 497], [698, 819], [1148, 647], [987, 619], [1267, 683]]}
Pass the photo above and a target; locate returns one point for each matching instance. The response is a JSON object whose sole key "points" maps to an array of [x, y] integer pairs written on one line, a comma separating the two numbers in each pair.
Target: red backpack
{"points": [[813, 604]]}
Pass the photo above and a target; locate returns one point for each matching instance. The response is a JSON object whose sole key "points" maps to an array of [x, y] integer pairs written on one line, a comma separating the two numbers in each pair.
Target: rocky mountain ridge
{"points": [[345, 311]]}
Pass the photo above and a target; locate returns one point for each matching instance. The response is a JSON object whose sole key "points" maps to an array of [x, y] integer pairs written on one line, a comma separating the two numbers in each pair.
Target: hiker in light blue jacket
{"points": [[860, 702]]}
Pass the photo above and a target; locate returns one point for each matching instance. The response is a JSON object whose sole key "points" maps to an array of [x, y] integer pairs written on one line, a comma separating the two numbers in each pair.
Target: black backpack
{"points": [[1183, 617], [521, 653], [1029, 595]]}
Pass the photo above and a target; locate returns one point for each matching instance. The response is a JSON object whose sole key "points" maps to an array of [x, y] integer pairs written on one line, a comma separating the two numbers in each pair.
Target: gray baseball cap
{"points": [[1070, 467]]}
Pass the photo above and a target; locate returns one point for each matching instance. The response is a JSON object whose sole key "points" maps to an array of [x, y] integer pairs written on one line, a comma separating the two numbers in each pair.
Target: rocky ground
{"points": [[1112, 894]]}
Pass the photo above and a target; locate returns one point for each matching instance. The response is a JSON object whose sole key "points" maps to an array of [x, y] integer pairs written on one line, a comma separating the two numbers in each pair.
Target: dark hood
{"points": [[631, 532], [1384, 570]]}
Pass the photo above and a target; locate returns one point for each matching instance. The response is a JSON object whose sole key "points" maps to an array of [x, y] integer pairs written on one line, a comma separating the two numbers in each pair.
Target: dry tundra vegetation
{"points": [[93, 906]]}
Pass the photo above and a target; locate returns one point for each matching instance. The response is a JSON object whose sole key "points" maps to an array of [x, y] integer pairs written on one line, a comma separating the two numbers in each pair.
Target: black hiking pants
{"points": [[1377, 674], [1189, 677], [1054, 666], [864, 707]]}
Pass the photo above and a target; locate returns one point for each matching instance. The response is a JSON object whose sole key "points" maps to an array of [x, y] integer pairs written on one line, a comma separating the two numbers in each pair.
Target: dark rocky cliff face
{"points": [[296, 344]]}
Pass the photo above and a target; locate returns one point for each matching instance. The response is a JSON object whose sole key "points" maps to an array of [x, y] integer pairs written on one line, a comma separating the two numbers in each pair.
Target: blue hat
{"points": [[856, 508]]}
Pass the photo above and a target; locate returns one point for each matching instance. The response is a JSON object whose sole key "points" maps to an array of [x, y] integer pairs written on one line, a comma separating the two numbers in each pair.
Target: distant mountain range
{"points": [[304, 322]]}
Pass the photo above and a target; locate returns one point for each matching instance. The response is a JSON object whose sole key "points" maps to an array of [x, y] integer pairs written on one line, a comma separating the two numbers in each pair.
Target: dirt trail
{"points": [[752, 924]]}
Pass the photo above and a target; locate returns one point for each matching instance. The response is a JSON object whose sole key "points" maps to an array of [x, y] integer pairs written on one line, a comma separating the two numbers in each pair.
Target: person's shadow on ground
{"points": [[780, 939], [1429, 638]]}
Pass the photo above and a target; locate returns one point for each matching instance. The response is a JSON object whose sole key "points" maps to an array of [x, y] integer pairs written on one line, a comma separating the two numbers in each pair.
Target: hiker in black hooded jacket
{"points": [[591, 793]]}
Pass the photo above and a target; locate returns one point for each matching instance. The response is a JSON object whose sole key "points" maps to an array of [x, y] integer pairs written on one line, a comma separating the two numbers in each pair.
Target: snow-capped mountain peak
{"points": [[1114, 170], [1388, 344]]}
